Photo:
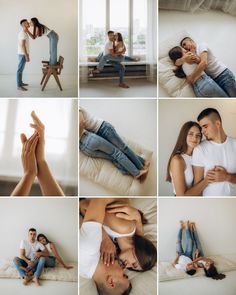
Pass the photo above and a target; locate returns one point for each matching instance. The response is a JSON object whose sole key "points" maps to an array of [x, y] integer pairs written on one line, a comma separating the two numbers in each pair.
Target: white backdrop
{"points": [[59, 15], [173, 114], [56, 218], [215, 220]]}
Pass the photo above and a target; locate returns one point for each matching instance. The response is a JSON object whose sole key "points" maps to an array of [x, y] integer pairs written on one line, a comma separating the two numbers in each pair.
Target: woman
{"points": [[123, 225], [204, 86], [40, 30], [121, 48], [99, 139], [179, 168], [50, 261]]}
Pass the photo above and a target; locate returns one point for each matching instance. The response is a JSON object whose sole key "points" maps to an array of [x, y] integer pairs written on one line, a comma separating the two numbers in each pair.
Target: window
{"points": [[139, 27], [94, 26], [60, 130]]}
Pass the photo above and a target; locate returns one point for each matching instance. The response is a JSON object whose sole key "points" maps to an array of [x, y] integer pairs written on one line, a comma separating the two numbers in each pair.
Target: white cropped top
{"points": [[112, 234]]}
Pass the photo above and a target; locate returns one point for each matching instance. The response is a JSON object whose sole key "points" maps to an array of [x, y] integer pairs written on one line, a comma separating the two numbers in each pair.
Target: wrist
{"points": [[30, 176]]}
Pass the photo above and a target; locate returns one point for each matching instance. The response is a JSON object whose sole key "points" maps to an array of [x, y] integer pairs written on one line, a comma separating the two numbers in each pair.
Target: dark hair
{"points": [[174, 54], [145, 252], [43, 236], [23, 20], [212, 272], [184, 39], [181, 144], [207, 112], [38, 25], [103, 290], [110, 32], [191, 272], [119, 37]]}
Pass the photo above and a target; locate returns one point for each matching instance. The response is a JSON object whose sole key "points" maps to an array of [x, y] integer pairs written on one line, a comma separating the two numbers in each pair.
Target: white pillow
{"points": [[175, 87]]}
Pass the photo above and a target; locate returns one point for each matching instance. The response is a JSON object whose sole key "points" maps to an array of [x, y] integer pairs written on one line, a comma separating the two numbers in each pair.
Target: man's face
{"points": [[187, 44], [25, 24], [193, 137], [210, 128], [129, 259], [111, 36], [118, 275], [32, 236]]}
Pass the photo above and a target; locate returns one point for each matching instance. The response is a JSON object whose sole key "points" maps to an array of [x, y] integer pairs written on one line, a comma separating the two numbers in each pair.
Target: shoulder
{"points": [[177, 160], [202, 47]]}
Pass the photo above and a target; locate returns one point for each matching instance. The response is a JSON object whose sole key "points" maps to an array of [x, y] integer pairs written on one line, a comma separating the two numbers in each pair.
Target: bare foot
{"points": [[141, 172], [26, 280], [123, 85], [97, 71], [146, 164], [22, 88], [143, 177], [24, 84], [36, 281]]}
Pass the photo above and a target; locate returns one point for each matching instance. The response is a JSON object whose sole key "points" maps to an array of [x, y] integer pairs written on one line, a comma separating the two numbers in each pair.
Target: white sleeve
{"points": [[202, 47], [41, 247], [22, 244], [197, 158], [178, 266]]}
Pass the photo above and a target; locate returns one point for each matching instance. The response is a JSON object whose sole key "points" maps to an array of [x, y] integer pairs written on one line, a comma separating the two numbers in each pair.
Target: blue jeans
{"points": [[226, 81], [197, 243], [50, 261], [53, 40], [38, 266], [207, 87], [126, 57], [96, 146], [108, 132], [20, 69], [189, 243]]}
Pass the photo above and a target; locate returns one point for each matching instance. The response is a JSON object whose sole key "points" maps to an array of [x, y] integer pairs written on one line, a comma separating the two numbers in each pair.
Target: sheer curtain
{"points": [[152, 40], [228, 6], [83, 69]]}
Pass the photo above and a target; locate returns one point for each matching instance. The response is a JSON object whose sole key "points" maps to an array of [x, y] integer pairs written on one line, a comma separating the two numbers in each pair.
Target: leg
{"points": [[19, 74], [196, 240], [121, 71], [53, 40], [92, 145], [103, 60], [20, 264], [50, 261], [108, 132], [100, 55], [189, 242], [179, 248], [226, 81], [38, 269]]}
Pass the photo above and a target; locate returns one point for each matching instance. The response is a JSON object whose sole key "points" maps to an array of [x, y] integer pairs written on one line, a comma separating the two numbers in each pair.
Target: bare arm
{"points": [[176, 259], [31, 35], [177, 168], [219, 174], [199, 69], [58, 257], [23, 46], [198, 174], [43, 253]]}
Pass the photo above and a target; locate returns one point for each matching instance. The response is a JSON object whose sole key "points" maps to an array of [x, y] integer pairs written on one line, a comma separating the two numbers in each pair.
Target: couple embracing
{"points": [[207, 167]]}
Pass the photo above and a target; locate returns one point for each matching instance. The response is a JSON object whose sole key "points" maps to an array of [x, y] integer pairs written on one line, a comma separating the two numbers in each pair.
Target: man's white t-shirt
{"points": [[92, 123], [214, 66], [31, 248], [108, 46], [209, 154], [89, 250], [23, 36], [183, 261]]}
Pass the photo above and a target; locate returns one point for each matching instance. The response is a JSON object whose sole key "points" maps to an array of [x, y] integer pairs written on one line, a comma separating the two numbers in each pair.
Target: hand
{"points": [[27, 59], [68, 267], [124, 211], [189, 57], [192, 48], [108, 251], [37, 254], [39, 128], [30, 263], [218, 174], [28, 154]]}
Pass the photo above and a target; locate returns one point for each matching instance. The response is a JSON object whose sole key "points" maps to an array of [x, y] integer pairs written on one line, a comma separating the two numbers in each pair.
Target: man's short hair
{"points": [[23, 20], [207, 112], [32, 229], [184, 39], [110, 32], [191, 272], [103, 290]]}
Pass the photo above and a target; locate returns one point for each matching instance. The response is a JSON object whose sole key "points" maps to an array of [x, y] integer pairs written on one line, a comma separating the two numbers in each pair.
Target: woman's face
{"points": [[193, 137], [116, 36], [129, 259], [43, 241], [208, 265], [31, 23]]}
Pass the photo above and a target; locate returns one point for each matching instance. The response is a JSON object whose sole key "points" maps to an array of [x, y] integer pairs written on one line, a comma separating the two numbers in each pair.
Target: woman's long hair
{"points": [[37, 24], [120, 37], [181, 144], [43, 236], [174, 54], [212, 272]]}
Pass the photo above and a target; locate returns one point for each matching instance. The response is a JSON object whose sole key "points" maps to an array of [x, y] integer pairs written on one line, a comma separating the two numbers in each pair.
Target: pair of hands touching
{"points": [[218, 174], [124, 211], [33, 148]]}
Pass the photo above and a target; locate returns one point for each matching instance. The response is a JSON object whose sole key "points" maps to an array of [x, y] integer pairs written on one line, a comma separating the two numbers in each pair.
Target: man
{"points": [[110, 56], [109, 279], [31, 261], [183, 259], [218, 154], [210, 64], [23, 54]]}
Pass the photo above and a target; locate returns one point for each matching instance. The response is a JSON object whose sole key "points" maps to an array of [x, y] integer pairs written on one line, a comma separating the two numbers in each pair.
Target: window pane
{"points": [[55, 115], [3, 116], [139, 27], [119, 19], [94, 23]]}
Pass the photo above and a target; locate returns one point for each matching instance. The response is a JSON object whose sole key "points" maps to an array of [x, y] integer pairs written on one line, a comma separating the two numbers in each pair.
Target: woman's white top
{"points": [[92, 123], [48, 246], [182, 262], [46, 31], [189, 68], [188, 172], [114, 235]]}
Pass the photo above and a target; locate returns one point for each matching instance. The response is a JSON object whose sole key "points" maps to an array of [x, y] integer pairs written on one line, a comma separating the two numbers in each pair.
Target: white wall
{"points": [[59, 15], [173, 114], [56, 218], [215, 220]]}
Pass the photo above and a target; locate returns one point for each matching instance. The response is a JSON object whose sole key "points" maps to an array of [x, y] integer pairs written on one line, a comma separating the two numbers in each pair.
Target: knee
{"points": [[42, 259], [16, 259]]}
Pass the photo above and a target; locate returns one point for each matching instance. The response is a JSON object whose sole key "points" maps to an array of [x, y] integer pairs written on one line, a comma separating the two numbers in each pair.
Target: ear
{"points": [[109, 282]]}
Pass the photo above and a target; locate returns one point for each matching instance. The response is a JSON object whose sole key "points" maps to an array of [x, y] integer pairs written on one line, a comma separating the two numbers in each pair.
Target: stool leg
{"points": [[57, 79], [47, 78], [44, 75]]}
